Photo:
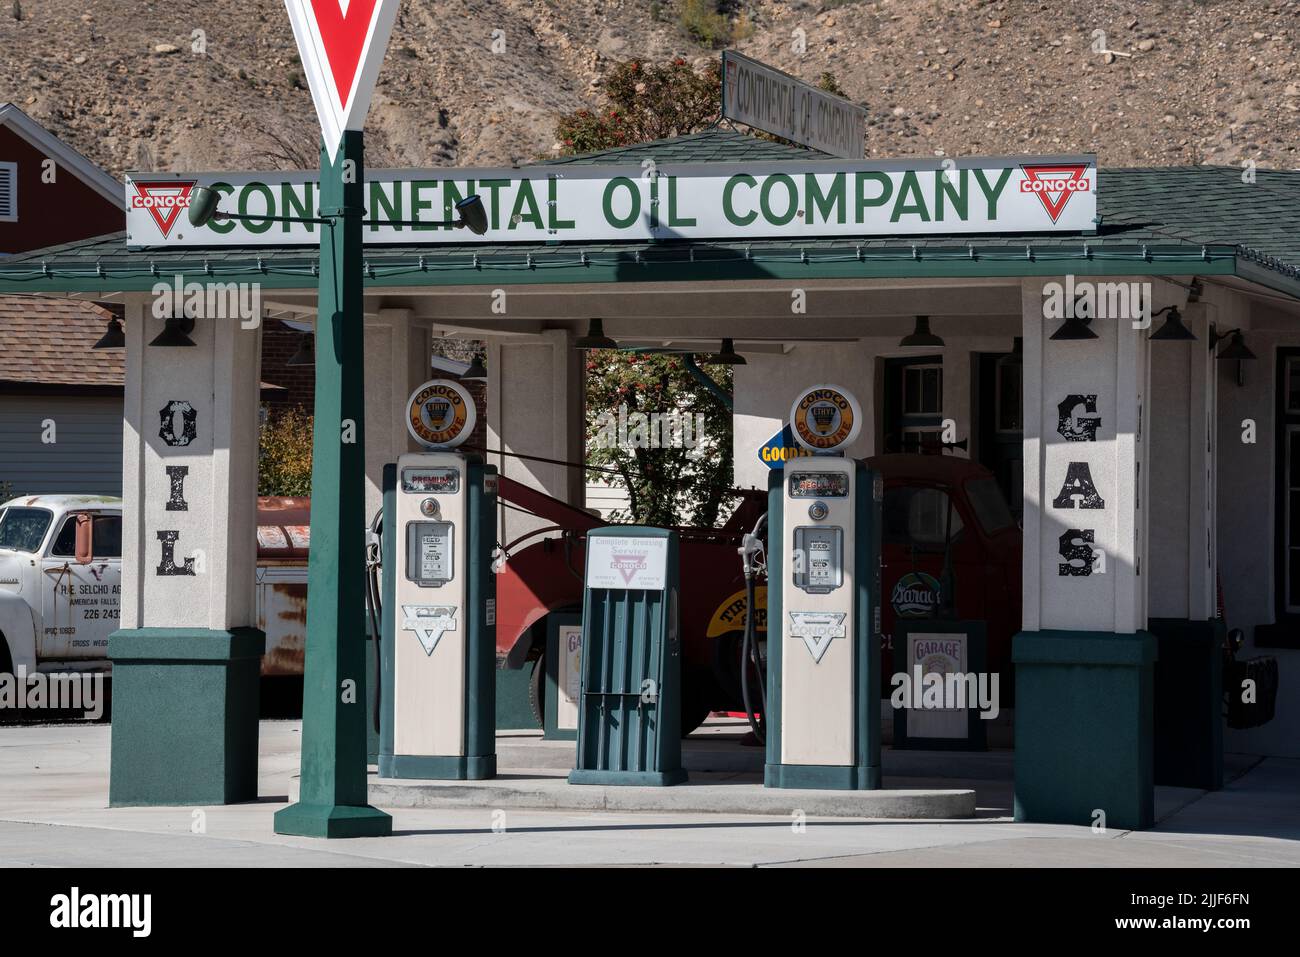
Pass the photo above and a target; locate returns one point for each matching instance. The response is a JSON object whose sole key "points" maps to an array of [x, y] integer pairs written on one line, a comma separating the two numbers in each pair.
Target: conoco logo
{"points": [[1055, 184], [628, 565], [164, 199]]}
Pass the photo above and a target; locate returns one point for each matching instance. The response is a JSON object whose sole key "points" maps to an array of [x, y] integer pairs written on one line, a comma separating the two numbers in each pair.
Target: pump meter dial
{"points": [[817, 511]]}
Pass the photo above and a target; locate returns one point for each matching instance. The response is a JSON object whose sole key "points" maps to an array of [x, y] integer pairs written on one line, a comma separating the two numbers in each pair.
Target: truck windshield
{"points": [[23, 529]]}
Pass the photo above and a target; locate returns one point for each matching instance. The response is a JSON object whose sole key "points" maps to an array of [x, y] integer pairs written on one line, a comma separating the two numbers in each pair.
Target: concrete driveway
{"points": [[54, 795]]}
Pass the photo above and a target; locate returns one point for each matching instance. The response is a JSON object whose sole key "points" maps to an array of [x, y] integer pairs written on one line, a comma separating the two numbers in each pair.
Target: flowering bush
{"points": [[646, 102]]}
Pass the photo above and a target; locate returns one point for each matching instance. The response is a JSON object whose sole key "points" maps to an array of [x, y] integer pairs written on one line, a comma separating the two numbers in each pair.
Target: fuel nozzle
{"points": [[753, 553]]}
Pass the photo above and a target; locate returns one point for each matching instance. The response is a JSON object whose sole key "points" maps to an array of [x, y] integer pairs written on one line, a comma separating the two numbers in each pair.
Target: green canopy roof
{"points": [[1185, 219]]}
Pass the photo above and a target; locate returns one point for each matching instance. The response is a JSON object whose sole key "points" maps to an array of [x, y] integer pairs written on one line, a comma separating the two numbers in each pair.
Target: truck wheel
{"points": [[6, 659], [537, 691]]}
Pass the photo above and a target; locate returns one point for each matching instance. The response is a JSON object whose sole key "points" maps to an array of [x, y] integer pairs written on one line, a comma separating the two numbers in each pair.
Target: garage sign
{"points": [[649, 200]]}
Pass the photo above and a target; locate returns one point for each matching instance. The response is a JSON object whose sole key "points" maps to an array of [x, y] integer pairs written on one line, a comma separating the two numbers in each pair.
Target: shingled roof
{"points": [[47, 341]]}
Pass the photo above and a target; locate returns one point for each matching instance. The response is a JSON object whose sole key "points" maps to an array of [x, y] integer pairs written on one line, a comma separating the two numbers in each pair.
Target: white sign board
{"points": [[341, 44], [627, 563], [936, 654], [761, 96], [570, 677], [702, 201]]}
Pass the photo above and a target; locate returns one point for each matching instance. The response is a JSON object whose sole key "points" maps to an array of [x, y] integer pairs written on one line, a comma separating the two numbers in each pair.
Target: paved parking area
{"points": [[54, 791]]}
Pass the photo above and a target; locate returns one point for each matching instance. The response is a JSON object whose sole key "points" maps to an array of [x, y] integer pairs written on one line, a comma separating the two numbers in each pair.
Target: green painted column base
{"points": [[438, 767], [1084, 719], [1189, 702], [333, 820], [833, 777], [185, 712], [629, 778]]}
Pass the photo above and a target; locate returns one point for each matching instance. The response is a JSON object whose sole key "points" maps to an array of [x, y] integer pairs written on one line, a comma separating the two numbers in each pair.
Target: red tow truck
{"points": [[950, 547]]}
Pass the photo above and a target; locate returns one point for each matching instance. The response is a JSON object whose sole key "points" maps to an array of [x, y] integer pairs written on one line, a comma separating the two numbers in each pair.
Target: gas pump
{"points": [[822, 712], [438, 649]]}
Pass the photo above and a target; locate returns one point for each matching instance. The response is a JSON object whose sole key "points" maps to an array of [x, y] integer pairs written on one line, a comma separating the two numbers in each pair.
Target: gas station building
{"points": [[1154, 478]]}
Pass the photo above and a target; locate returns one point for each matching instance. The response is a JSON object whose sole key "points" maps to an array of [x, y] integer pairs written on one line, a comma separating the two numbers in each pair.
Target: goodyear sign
{"points": [[777, 450], [650, 200]]}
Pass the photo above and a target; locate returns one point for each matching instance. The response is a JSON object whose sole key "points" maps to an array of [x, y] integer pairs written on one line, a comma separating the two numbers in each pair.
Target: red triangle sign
{"points": [[164, 199], [341, 44], [1054, 184]]}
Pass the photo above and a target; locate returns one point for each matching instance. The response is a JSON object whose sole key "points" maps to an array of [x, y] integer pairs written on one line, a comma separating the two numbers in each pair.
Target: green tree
{"points": [[284, 453], [687, 478], [645, 102]]}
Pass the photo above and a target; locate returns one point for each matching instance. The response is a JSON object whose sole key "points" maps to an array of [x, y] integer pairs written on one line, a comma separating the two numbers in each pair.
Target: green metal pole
{"points": [[332, 794]]}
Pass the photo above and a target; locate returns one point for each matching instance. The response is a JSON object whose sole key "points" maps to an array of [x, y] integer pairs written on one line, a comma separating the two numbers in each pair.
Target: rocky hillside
{"points": [[184, 84]]}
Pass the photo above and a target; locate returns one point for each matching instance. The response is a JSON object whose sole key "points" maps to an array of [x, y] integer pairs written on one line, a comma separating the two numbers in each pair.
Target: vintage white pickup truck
{"points": [[61, 591]]}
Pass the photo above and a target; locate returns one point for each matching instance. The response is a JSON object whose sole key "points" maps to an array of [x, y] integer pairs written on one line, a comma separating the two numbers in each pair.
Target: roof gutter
{"points": [[640, 264]]}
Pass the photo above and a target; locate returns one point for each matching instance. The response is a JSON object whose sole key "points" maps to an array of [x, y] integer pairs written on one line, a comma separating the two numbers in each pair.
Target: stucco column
{"points": [[535, 393], [186, 662], [398, 348], [1182, 465], [1084, 660]]}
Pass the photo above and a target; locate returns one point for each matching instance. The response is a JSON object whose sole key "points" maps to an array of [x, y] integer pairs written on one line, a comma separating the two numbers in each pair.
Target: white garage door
{"points": [[85, 456]]}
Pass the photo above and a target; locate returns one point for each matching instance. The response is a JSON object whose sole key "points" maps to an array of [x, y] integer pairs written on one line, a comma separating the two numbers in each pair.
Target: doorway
{"points": [[999, 417]]}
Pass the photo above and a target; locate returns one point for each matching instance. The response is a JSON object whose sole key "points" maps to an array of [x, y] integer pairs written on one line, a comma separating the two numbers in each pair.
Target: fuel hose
{"points": [[373, 606], [749, 643]]}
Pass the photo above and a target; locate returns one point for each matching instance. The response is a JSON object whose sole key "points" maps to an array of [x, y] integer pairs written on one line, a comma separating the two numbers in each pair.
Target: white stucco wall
{"points": [[767, 385], [1181, 520], [216, 527], [534, 403], [398, 347], [1113, 368]]}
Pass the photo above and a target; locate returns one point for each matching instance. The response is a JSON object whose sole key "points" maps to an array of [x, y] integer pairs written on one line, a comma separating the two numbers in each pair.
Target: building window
{"points": [[1291, 383], [8, 192], [922, 406]]}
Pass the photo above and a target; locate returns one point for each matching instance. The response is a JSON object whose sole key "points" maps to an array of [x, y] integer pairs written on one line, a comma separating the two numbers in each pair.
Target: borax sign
{"points": [[677, 201]]}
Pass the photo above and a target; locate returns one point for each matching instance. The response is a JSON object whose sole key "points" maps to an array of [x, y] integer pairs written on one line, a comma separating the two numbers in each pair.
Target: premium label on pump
{"points": [[825, 418], [440, 414]]}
